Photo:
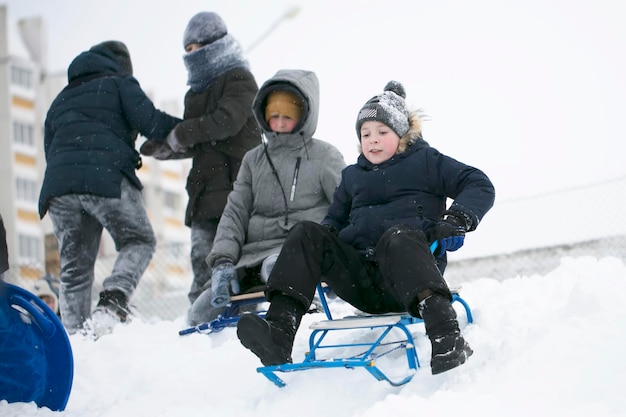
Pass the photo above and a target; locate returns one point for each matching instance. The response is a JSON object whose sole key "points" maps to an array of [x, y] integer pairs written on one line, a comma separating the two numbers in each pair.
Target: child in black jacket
{"points": [[90, 183], [373, 247]]}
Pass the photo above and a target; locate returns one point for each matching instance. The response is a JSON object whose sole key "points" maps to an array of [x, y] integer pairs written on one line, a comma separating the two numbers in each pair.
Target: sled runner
{"points": [[36, 362]]}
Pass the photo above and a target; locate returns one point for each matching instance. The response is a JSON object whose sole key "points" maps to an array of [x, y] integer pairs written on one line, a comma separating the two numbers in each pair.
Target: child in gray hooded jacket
{"points": [[288, 178]]}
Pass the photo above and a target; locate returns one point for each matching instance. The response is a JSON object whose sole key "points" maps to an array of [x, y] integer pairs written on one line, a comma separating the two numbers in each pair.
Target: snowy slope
{"points": [[544, 346]]}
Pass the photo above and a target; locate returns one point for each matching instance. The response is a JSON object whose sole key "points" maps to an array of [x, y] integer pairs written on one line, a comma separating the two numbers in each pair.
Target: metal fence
{"points": [[519, 237], [161, 293]]}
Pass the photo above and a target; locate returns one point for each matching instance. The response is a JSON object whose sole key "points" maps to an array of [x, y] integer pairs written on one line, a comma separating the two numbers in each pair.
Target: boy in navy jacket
{"points": [[373, 247]]}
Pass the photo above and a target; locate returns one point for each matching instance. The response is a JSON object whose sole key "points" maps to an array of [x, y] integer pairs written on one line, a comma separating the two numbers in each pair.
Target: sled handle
{"points": [[36, 313]]}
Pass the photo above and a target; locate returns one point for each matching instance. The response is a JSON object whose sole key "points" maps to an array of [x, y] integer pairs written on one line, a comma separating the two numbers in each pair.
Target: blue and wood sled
{"points": [[376, 337], [385, 334]]}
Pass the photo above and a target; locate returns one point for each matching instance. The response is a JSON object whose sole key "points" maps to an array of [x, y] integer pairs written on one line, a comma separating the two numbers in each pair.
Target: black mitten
{"points": [[450, 232]]}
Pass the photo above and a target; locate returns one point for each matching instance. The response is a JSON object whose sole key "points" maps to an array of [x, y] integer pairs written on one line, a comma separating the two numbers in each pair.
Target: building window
{"points": [[26, 190], [22, 77], [30, 248], [23, 133]]}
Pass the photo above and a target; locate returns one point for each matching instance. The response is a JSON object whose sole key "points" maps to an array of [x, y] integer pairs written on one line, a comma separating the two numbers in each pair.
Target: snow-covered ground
{"points": [[548, 345]]}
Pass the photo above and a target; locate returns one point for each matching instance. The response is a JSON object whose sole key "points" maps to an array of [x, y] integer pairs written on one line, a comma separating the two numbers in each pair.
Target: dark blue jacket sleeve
{"points": [[141, 114]]}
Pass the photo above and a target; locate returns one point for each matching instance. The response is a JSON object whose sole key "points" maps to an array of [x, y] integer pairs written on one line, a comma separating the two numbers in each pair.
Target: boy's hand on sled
{"points": [[450, 234], [223, 280]]}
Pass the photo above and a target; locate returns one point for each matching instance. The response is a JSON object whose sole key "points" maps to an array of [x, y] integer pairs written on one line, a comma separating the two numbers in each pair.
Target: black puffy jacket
{"points": [[91, 128], [410, 188]]}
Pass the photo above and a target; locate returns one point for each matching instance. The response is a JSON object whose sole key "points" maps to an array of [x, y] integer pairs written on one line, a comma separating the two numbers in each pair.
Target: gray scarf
{"points": [[206, 64]]}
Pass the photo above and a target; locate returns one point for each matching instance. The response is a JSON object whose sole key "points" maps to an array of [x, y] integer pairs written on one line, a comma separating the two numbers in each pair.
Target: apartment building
{"points": [[20, 156], [26, 91]]}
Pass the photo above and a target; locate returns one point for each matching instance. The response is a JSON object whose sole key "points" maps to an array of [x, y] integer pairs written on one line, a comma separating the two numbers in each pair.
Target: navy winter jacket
{"points": [[91, 127], [410, 188]]}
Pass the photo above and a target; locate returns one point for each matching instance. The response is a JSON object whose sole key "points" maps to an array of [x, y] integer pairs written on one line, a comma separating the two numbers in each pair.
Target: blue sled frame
{"points": [[371, 351]]}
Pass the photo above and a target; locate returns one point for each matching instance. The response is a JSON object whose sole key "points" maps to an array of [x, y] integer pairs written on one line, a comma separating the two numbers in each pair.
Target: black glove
{"points": [[450, 233], [160, 151]]}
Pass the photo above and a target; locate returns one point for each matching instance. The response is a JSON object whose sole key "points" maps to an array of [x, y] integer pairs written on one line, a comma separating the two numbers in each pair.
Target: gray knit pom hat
{"points": [[388, 108], [204, 28]]}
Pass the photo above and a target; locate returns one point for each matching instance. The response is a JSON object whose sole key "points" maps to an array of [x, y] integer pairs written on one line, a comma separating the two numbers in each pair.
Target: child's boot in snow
{"points": [[449, 349], [115, 303], [272, 339]]}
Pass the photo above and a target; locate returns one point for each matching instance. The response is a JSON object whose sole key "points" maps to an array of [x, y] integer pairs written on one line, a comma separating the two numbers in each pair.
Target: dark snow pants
{"points": [[404, 268], [78, 220]]}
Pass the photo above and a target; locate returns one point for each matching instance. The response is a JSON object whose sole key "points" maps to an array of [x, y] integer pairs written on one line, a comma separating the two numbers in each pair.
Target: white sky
{"points": [[532, 92], [544, 346]]}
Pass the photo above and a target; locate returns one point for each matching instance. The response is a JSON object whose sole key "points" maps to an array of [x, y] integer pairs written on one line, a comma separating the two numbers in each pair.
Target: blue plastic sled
{"points": [[36, 361]]}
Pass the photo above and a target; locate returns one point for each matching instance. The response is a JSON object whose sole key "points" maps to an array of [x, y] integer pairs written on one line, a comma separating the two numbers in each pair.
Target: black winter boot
{"points": [[115, 303], [449, 349], [271, 339]]}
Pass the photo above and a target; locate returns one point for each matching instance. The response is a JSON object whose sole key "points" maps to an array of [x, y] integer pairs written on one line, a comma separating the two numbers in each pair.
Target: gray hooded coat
{"points": [[261, 210]]}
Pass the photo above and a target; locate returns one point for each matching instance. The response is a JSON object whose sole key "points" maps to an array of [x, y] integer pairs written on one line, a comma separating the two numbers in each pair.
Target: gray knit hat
{"points": [[388, 108], [204, 28]]}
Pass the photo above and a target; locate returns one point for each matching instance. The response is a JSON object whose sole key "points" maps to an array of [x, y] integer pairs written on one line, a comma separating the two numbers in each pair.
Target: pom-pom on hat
{"points": [[204, 28], [388, 108], [284, 102]]}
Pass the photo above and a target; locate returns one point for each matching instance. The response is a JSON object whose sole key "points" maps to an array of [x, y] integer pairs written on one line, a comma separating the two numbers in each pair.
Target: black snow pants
{"points": [[404, 267]]}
